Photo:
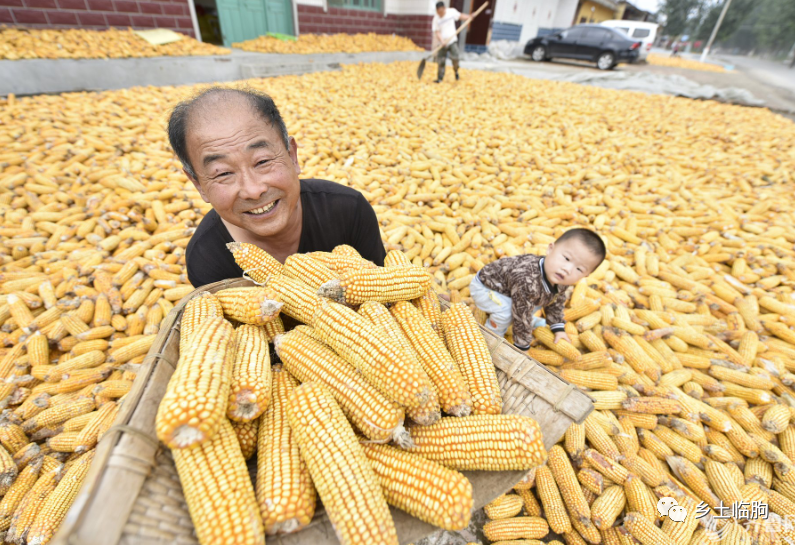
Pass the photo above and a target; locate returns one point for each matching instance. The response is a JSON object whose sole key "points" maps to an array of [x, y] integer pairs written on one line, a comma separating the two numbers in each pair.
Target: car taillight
{"points": [[648, 46], [635, 46]]}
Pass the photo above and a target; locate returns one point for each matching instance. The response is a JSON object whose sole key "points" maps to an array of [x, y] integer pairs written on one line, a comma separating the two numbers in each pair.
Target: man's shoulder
{"points": [[207, 229], [316, 187]]}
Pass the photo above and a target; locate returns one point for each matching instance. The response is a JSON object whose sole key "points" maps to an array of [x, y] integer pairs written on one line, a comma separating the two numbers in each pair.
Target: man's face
{"points": [[569, 261], [242, 167], [441, 11]]}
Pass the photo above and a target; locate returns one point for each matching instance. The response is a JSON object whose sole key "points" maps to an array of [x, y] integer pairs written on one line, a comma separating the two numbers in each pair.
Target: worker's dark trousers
{"points": [[441, 58]]}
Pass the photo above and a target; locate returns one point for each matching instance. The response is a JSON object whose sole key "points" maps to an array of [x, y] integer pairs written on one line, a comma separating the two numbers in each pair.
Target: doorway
{"points": [[479, 31], [242, 20]]}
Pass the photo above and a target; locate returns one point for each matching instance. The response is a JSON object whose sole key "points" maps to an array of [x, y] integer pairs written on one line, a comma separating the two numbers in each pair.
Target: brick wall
{"points": [[98, 14], [313, 20]]}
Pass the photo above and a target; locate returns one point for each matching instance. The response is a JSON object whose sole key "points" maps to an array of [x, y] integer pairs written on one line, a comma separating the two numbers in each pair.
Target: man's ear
{"points": [[196, 184], [293, 151]]}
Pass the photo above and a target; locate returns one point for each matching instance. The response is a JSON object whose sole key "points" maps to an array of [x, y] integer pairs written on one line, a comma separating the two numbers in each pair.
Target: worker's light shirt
{"points": [[446, 25]]}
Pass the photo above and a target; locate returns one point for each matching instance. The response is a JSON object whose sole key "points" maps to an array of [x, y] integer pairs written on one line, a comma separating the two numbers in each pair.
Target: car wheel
{"points": [[605, 61], [539, 53]]}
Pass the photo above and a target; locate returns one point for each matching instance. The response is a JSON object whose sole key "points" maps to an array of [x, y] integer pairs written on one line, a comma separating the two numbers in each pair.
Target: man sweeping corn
{"points": [[234, 147], [443, 27]]}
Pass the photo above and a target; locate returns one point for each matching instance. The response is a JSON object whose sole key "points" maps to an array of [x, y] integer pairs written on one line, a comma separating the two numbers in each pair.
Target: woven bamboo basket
{"points": [[132, 494]]}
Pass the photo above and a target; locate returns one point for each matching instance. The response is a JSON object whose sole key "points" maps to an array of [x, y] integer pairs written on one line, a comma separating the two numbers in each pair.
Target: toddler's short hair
{"points": [[591, 240]]}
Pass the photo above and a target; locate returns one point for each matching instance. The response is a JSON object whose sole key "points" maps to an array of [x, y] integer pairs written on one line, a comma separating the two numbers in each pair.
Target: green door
{"points": [[243, 20], [280, 16]]}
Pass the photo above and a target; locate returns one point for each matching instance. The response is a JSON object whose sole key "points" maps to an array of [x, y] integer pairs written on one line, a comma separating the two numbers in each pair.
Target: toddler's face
{"points": [[568, 262]]}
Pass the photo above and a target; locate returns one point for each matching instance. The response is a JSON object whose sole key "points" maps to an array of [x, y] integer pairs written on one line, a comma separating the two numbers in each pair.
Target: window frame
{"points": [[376, 5]]}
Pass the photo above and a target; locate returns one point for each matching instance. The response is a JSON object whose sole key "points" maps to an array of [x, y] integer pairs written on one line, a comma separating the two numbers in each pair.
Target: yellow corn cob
{"points": [[218, 490], [776, 419], [488, 442], [255, 262], [12, 437], [531, 506], [606, 466], [422, 488], [598, 437], [721, 482], [679, 444], [38, 349], [113, 388], [527, 482], [33, 502], [54, 373], [8, 471], [358, 342], [285, 493], [353, 499], [54, 510], [64, 442], [645, 531], [250, 389], [429, 412], [273, 328], [504, 507], [741, 378], [585, 308], [652, 405], [639, 498], [396, 258], [592, 341], [202, 306], [589, 379], [694, 479], [58, 414], [308, 269], [342, 262], [516, 528], [550, 497], [471, 353], [547, 357], [346, 250], [23, 483], [564, 348], [759, 471], [88, 436], [20, 312], [443, 372], [132, 350], [382, 284], [300, 300], [607, 507], [311, 361], [246, 433], [254, 305], [77, 380], [428, 305], [574, 442], [202, 376]]}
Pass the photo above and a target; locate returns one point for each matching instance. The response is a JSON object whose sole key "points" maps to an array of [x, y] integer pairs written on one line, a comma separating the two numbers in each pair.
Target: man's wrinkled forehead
{"points": [[210, 107]]}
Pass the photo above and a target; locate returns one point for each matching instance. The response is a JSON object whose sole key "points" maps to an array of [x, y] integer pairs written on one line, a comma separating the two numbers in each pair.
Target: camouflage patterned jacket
{"points": [[521, 278]]}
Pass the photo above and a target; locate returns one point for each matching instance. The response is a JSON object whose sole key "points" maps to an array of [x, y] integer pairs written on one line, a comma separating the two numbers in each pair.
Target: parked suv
{"points": [[605, 46], [636, 30]]}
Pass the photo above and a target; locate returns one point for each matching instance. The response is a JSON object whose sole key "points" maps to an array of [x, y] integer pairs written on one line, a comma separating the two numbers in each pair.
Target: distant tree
{"points": [[681, 16], [738, 12], [774, 26]]}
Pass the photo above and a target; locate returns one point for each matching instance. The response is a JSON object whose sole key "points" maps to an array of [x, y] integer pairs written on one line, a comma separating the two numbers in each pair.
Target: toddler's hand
{"points": [[561, 335]]}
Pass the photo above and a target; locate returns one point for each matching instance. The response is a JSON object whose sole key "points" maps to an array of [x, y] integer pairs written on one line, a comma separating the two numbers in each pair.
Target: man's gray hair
{"points": [[178, 121]]}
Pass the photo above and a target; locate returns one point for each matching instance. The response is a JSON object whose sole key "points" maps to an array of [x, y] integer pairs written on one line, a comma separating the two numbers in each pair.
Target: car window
{"points": [[625, 30], [601, 35], [641, 33], [573, 33]]}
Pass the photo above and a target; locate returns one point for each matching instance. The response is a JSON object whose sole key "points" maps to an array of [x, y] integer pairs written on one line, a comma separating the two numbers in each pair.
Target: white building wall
{"points": [[535, 14], [410, 7], [566, 12]]}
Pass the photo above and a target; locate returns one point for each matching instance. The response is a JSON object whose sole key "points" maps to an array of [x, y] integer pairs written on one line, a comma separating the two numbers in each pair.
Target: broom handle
{"points": [[462, 27]]}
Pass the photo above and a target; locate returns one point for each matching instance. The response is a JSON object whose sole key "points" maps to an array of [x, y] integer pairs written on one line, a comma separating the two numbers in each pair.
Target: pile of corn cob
{"points": [[364, 368], [680, 62], [114, 43], [691, 191], [330, 43]]}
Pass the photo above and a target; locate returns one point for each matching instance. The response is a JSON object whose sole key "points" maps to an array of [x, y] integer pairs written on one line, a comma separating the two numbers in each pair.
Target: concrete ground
{"points": [[26, 77], [774, 83]]}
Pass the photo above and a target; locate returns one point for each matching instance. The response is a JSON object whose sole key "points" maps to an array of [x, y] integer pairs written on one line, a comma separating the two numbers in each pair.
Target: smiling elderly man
{"points": [[234, 147]]}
